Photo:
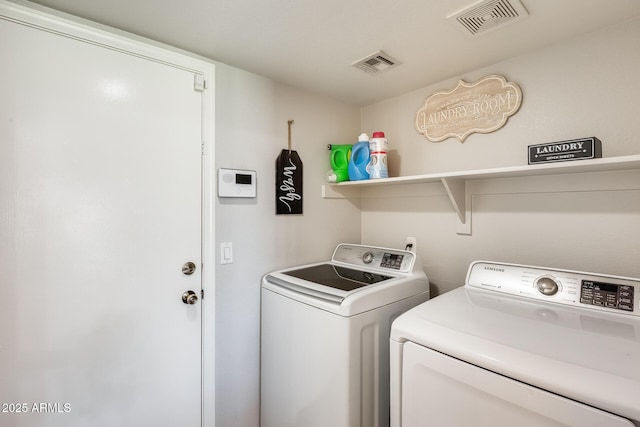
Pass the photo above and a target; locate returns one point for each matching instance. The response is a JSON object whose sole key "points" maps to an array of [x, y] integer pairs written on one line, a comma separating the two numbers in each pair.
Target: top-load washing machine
{"points": [[520, 346], [325, 337]]}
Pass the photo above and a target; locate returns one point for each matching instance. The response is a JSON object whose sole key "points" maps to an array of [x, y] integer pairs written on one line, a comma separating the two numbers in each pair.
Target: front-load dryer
{"points": [[325, 337], [520, 346]]}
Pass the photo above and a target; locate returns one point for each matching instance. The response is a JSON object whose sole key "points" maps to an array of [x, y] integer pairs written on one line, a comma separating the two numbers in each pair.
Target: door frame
{"points": [[56, 22]]}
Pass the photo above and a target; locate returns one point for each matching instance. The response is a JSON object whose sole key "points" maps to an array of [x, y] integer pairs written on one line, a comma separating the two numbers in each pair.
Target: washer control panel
{"points": [[589, 290], [374, 257]]}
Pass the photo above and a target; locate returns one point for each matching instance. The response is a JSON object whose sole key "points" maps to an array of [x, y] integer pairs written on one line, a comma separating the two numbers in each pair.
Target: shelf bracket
{"points": [[460, 198]]}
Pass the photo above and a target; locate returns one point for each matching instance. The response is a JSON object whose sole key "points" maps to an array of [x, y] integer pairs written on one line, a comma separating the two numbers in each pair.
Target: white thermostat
{"points": [[236, 183]]}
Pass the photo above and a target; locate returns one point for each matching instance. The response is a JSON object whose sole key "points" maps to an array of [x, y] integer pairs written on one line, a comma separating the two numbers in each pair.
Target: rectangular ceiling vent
{"points": [[376, 63], [488, 15]]}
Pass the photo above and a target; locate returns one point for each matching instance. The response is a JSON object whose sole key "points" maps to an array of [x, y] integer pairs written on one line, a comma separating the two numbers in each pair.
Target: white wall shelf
{"points": [[456, 183]]}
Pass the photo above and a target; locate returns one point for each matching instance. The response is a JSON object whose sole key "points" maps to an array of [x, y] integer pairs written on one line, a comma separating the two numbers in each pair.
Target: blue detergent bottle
{"points": [[359, 159]]}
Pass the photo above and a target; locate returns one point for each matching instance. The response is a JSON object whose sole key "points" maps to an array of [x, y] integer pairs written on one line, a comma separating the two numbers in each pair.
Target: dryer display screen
{"points": [[608, 295]]}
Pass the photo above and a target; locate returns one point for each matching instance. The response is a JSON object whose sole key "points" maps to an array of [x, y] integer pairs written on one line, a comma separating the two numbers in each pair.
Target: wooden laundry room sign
{"points": [[479, 107]]}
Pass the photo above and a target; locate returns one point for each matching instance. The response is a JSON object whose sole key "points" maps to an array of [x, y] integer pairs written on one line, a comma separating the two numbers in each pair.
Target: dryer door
{"points": [[442, 391]]}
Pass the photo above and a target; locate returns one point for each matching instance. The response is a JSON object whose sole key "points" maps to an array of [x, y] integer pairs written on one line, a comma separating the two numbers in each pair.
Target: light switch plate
{"points": [[226, 253]]}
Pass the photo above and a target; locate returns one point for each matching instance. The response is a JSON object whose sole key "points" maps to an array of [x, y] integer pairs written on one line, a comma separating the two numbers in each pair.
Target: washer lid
{"points": [[369, 289], [583, 354], [337, 277]]}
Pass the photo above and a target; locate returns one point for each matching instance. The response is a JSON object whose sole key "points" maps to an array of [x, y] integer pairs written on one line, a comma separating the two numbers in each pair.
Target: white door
{"points": [[100, 198], [438, 390]]}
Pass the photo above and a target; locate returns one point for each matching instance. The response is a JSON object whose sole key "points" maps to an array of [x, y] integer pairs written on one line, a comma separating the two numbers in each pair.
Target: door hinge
{"points": [[199, 83], [202, 294]]}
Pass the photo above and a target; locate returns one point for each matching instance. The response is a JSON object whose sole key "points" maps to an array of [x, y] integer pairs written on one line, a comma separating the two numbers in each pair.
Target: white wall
{"points": [[251, 130], [586, 87]]}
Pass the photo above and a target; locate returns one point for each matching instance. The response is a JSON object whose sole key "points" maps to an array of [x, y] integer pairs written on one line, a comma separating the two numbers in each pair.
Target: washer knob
{"points": [[547, 286], [367, 257]]}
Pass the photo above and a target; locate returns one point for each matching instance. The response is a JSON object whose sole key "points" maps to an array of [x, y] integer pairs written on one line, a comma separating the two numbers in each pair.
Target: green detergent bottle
{"points": [[340, 155]]}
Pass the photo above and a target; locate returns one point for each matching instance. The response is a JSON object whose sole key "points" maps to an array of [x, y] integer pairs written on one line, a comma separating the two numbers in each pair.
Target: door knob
{"points": [[189, 297]]}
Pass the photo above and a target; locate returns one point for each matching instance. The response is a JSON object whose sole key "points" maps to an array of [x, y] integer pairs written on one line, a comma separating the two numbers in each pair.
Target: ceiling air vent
{"points": [[376, 63], [488, 15]]}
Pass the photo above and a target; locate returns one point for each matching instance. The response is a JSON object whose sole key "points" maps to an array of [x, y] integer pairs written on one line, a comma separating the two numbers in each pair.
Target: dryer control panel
{"points": [[589, 290], [392, 260]]}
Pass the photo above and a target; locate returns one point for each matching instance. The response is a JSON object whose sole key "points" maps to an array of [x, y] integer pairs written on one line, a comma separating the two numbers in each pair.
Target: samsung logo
{"points": [[501, 270]]}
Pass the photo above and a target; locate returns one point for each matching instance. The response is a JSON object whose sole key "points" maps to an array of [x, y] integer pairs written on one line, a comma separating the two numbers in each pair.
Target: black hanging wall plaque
{"points": [[288, 181]]}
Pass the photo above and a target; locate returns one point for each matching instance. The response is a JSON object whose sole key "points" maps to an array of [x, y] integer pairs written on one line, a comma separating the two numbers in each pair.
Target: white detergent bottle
{"points": [[378, 146]]}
